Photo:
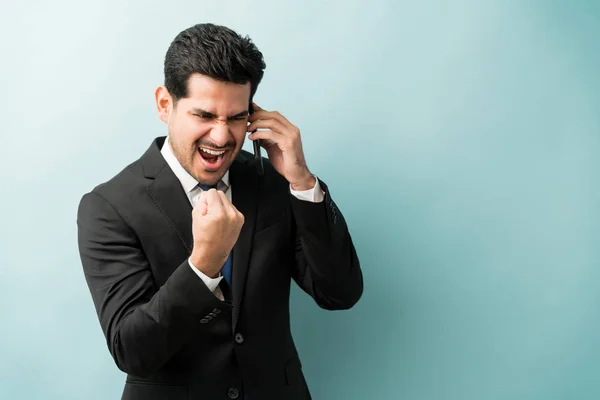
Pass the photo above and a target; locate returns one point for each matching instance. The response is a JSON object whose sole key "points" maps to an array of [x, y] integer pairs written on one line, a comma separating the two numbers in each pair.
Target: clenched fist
{"points": [[216, 225]]}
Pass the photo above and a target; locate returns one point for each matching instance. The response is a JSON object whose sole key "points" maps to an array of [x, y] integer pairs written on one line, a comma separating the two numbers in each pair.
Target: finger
{"points": [[261, 113], [213, 202], [267, 137], [272, 124], [227, 206], [255, 110], [266, 144], [201, 206]]}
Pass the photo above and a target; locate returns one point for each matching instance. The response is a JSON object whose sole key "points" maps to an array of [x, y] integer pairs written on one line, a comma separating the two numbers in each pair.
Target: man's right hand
{"points": [[216, 225]]}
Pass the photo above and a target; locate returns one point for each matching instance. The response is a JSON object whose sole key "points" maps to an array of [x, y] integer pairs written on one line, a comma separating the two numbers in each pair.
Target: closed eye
{"points": [[204, 115], [207, 117]]}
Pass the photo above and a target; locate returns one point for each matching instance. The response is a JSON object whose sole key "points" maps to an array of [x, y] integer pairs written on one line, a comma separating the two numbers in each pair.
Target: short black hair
{"points": [[215, 51]]}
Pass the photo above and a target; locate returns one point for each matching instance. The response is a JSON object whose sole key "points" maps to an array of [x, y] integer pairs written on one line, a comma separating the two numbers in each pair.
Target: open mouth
{"points": [[212, 159]]}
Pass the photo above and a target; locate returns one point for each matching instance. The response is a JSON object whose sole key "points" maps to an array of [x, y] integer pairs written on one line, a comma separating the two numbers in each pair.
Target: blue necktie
{"points": [[226, 270]]}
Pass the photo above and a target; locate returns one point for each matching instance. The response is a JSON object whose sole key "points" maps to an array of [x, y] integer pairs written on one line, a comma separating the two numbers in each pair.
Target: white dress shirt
{"points": [[192, 190]]}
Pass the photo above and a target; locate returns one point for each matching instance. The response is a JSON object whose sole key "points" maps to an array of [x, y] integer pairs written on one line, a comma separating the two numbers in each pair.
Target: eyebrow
{"points": [[207, 114]]}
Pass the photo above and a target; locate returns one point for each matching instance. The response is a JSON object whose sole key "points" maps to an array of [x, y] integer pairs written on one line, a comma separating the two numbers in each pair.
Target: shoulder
{"points": [[119, 190]]}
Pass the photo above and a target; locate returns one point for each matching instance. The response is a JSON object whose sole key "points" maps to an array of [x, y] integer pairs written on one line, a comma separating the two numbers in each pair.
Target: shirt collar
{"points": [[188, 182]]}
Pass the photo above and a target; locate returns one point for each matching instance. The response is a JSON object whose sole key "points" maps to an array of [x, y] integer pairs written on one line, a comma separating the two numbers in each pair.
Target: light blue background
{"points": [[460, 139]]}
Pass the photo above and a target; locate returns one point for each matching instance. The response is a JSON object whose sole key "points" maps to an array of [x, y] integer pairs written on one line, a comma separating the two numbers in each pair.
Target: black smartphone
{"points": [[256, 143]]}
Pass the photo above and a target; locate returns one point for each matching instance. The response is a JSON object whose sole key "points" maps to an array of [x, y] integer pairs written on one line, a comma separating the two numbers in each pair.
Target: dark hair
{"points": [[215, 51]]}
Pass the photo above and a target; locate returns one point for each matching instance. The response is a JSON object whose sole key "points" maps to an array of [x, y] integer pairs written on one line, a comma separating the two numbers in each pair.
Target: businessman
{"points": [[189, 251]]}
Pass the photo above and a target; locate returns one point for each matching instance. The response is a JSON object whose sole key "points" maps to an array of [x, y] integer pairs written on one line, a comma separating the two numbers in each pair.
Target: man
{"points": [[189, 252]]}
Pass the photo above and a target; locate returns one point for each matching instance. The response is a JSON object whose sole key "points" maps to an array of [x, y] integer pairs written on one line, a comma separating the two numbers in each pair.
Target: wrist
{"points": [[204, 265], [305, 184]]}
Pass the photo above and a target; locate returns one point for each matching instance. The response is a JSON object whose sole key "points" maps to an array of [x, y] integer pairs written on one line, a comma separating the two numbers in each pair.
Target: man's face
{"points": [[207, 129]]}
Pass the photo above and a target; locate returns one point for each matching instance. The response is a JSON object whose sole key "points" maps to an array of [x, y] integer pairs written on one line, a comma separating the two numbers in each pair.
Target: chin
{"points": [[207, 175]]}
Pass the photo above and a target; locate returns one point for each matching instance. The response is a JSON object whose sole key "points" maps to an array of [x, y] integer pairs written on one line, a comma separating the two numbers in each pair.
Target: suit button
{"points": [[239, 338], [203, 321], [216, 311], [233, 393]]}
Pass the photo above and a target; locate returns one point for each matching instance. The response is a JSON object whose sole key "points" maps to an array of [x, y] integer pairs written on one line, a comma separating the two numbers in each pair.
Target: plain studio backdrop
{"points": [[460, 139]]}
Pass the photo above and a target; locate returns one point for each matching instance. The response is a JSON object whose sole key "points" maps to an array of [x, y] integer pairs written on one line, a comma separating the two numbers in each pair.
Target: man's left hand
{"points": [[282, 141]]}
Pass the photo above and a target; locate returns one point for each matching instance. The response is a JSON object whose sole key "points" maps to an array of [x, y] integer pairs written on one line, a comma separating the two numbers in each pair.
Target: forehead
{"points": [[209, 91]]}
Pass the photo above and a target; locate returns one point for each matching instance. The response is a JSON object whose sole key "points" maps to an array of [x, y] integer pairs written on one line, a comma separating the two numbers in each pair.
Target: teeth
{"points": [[214, 153]]}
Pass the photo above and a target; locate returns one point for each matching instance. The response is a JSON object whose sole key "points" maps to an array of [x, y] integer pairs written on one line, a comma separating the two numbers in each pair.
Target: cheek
{"points": [[192, 131], [239, 134]]}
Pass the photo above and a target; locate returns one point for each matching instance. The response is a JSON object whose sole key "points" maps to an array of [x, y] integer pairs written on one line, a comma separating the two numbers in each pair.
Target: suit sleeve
{"points": [[327, 266], [144, 325]]}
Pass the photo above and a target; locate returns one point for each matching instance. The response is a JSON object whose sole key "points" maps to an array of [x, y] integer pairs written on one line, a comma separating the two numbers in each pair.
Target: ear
{"points": [[164, 103]]}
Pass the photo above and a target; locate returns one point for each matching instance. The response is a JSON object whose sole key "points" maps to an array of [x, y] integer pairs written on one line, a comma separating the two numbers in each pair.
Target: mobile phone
{"points": [[256, 143]]}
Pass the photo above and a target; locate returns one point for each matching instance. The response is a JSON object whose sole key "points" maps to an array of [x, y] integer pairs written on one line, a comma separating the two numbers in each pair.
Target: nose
{"points": [[220, 133]]}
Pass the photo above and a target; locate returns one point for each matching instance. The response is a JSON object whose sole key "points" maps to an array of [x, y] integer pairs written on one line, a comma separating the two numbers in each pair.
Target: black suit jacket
{"points": [[171, 335]]}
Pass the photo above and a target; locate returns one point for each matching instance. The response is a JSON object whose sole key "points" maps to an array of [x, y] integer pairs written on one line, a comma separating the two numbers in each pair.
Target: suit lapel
{"points": [[166, 191], [245, 185]]}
